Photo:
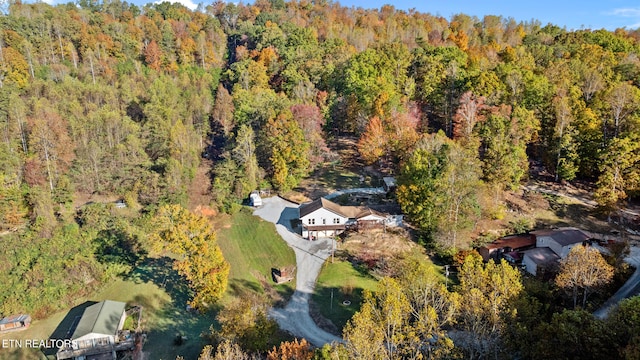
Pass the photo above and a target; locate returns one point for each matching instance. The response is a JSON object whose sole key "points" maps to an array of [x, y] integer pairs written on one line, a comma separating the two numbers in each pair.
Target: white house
{"points": [[99, 325], [323, 217], [551, 246]]}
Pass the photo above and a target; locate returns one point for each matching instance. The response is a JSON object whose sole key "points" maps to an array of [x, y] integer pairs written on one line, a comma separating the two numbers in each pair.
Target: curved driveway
{"points": [[310, 255]]}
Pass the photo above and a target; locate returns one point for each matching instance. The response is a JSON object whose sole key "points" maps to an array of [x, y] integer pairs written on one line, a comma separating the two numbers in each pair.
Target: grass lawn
{"points": [[162, 316], [346, 283], [253, 247]]}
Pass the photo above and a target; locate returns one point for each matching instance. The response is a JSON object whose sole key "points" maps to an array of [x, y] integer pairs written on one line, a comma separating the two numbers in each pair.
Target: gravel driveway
{"points": [[630, 288], [310, 255]]}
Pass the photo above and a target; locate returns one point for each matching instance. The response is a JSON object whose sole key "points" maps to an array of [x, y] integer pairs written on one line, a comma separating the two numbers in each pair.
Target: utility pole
{"points": [[333, 250], [331, 306], [446, 275]]}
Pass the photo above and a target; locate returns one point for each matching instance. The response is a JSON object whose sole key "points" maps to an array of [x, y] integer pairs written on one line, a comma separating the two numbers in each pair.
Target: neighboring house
{"points": [[507, 245], [551, 246], [560, 240], [15, 322], [97, 332], [323, 217]]}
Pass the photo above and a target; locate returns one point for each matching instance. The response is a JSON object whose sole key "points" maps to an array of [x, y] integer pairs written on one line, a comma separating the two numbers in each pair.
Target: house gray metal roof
{"points": [[542, 255], [564, 236], [101, 318]]}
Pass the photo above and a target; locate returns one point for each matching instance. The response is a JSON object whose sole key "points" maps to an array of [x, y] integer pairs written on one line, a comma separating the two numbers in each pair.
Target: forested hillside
{"points": [[115, 100]]}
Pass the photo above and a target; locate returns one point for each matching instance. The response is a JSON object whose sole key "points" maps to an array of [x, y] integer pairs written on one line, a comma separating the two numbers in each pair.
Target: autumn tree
{"points": [[405, 318], [584, 269], [291, 350], [381, 329], [505, 135], [244, 321], [623, 100], [469, 113], [226, 350], [486, 291], [436, 188], [49, 138], [433, 306], [283, 142], [223, 110], [566, 152], [153, 55], [244, 155], [311, 122], [620, 172], [373, 142], [198, 258]]}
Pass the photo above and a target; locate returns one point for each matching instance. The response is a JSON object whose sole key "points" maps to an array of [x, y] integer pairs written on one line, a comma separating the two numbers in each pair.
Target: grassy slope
{"points": [[347, 283], [252, 247]]}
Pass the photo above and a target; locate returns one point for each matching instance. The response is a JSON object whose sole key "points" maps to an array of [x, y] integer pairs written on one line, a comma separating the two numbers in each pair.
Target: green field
{"points": [[253, 247], [346, 283]]}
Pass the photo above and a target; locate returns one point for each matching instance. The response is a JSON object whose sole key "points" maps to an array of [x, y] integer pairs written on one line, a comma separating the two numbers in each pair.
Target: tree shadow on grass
{"points": [[67, 326], [160, 272], [241, 287], [171, 320]]}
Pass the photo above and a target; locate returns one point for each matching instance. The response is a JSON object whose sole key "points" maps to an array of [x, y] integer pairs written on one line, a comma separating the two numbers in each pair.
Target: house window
{"points": [[312, 221], [336, 221], [324, 221]]}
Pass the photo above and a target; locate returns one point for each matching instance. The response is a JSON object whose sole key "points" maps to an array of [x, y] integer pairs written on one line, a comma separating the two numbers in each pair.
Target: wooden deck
{"points": [[95, 352]]}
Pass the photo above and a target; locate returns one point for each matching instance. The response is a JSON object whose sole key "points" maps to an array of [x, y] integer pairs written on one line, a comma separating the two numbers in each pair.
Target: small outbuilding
{"points": [[15, 322], [389, 183]]}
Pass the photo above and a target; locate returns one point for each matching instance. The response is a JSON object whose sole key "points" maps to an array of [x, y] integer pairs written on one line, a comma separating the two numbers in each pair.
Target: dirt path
{"points": [[584, 199], [310, 256]]}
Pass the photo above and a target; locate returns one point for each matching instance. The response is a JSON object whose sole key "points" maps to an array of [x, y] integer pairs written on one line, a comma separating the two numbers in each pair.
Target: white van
{"points": [[254, 199]]}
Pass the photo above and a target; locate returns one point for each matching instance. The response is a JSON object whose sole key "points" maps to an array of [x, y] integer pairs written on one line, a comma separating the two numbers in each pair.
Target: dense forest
{"points": [[116, 100]]}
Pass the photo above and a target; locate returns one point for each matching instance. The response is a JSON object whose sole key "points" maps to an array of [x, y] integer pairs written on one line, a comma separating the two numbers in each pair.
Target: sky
{"points": [[572, 14], [569, 14]]}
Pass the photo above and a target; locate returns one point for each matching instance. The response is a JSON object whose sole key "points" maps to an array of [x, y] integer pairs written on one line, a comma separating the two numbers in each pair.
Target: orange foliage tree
{"points": [[291, 350]]}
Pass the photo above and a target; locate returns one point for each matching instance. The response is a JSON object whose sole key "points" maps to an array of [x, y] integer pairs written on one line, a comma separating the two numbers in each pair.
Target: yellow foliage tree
{"points": [[191, 239], [583, 268]]}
